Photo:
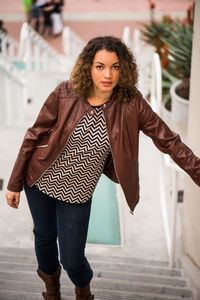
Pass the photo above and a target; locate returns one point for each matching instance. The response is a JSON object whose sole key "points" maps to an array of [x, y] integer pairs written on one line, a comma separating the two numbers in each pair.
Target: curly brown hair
{"points": [[127, 85]]}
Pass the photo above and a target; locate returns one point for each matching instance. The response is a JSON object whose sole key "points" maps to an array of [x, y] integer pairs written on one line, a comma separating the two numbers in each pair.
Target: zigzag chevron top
{"points": [[74, 175]]}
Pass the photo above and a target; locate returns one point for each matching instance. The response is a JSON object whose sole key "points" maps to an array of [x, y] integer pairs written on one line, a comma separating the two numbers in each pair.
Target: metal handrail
{"points": [[165, 160], [33, 48], [13, 82], [72, 43], [9, 46], [143, 54], [7, 67], [156, 90]]}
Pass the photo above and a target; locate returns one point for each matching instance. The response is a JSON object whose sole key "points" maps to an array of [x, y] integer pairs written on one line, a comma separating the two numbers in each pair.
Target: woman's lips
{"points": [[107, 83]]}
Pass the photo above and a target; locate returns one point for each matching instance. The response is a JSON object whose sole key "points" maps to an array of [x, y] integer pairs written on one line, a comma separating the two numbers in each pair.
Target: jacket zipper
{"points": [[131, 212], [42, 146], [59, 153]]}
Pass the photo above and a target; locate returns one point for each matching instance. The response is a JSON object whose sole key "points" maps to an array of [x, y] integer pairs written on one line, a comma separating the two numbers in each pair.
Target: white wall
{"points": [[191, 209]]}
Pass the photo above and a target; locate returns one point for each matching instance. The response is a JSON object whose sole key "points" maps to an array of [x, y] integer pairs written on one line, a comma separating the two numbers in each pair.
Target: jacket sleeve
{"points": [[166, 140], [43, 124]]}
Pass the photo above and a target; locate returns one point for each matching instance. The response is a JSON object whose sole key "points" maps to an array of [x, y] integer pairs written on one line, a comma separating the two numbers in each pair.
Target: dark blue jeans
{"points": [[68, 222]]}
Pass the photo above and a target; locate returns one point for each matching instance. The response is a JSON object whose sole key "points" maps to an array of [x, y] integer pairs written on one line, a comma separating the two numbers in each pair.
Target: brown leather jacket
{"points": [[62, 112]]}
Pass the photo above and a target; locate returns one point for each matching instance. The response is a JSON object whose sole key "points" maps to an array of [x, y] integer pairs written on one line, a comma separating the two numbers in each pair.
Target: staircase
{"points": [[114, 278]]}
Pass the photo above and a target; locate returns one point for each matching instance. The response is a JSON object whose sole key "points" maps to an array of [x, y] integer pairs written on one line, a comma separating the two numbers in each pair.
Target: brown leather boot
{"points": [[83, 293], [52, 283]]}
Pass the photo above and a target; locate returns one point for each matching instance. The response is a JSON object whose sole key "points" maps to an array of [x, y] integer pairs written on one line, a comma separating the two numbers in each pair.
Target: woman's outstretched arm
{"points": [[166, 140]]}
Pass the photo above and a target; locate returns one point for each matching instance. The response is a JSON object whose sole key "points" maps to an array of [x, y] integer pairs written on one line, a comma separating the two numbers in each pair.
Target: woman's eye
{"points": [[113, 67]]}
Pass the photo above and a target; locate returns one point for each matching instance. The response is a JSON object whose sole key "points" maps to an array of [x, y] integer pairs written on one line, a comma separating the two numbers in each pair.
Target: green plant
{"points": [[152, 35], [179, 43], [173, 42], [154, 32]]}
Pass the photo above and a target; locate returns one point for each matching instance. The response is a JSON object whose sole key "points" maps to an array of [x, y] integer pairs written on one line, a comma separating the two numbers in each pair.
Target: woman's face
{"points": [[105, 71]]}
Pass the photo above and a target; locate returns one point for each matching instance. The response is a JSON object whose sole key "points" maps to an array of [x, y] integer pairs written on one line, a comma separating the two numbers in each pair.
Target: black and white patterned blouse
{"points": [[75, 173]]}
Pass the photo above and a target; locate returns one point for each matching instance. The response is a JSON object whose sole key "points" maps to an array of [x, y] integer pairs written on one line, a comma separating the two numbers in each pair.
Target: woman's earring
{"points": [[90, 77]]}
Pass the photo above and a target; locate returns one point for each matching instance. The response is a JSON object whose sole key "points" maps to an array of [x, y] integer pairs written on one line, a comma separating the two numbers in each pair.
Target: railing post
{"points": [[44, 62], [163, 203], [174, 217], [37, 57], [11, 50], [66, 41], [3, 45], [8, 87], [28, 56], [126, 36], [156, 96]]}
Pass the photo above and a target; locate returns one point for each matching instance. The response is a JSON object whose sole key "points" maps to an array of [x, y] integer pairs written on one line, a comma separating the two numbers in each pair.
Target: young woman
{"points": [[87, 126]]}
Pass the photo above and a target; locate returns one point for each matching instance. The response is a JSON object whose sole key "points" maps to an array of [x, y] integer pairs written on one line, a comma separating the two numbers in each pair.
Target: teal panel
{"points": [[33, 66], [19, 64], [104, 219]]}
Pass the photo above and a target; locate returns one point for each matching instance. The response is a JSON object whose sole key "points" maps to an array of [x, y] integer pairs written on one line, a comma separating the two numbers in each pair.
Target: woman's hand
{"points": [[13, 198]]}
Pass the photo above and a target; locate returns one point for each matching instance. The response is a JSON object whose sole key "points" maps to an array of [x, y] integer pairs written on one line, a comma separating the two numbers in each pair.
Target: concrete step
{"points": [[28, 264], [14, 273], [115, 278]]}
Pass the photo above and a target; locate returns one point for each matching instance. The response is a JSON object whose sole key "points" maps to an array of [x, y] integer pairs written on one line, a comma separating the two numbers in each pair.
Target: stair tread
{"points": [[99, 294], [101, 266], [115, 278], [23, 252], [124, 284], [15, 295], [113, 286], [29, 258], [27, 276]]}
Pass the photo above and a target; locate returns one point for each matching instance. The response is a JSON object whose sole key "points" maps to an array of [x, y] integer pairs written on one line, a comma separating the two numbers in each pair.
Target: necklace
{"points": [[96, 101]]}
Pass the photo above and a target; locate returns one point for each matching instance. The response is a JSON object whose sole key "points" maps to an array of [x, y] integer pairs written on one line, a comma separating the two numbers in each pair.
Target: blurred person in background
{"points": [[41, 2], [2, 31], [47, 9], [56, 16], [27, 9], [58, 6], [35, 15]]}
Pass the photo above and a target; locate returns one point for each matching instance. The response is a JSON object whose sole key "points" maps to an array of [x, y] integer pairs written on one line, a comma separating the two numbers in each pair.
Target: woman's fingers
{"points": [[13, 198]]}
